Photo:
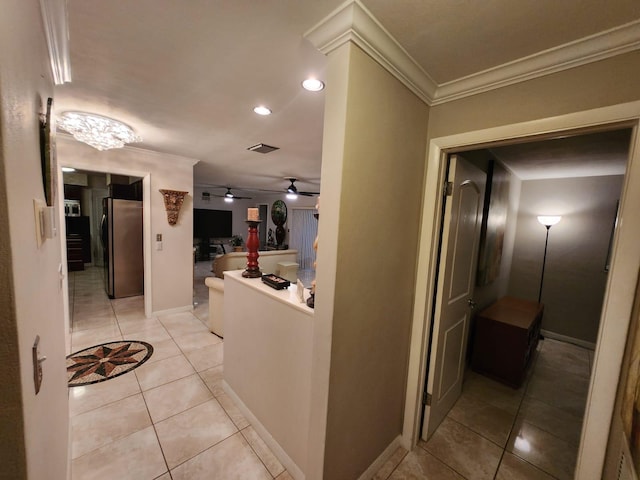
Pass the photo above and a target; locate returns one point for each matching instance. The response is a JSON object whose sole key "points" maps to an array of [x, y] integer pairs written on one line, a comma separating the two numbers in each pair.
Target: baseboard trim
{"points": [[169, 311], [380, 461], [264, 434], [565, 338]]}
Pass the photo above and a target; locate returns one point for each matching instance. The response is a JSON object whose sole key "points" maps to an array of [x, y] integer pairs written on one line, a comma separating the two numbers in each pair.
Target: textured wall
{"points": [[34, 428], [381, 164], [171, 268]]}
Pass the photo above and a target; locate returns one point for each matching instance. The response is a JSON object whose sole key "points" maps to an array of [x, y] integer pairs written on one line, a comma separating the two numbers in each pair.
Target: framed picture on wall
{"points": [[48, 155], [494, 220]]}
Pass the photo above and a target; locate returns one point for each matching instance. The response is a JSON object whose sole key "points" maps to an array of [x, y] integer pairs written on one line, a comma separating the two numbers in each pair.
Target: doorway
{"points": [[113, 262], [618, 297], [555, 382]]}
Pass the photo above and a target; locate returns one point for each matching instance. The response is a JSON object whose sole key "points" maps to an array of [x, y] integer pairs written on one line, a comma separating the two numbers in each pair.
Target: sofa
{"points": [[267, 260]]}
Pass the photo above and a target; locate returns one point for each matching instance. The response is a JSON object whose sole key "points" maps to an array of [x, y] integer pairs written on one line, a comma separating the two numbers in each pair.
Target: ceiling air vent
{"points": [[262, 148]]}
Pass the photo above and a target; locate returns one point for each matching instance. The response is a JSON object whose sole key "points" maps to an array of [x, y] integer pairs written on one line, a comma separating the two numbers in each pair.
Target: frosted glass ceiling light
{"points": [[312, 84], [100, 132]]}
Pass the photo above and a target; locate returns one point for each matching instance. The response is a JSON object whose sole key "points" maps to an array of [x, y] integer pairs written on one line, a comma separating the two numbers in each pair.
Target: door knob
{"points": [[471, 303]]}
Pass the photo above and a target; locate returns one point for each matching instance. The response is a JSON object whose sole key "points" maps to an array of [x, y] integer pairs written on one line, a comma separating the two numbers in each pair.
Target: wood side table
{"points": [[506, 335]]}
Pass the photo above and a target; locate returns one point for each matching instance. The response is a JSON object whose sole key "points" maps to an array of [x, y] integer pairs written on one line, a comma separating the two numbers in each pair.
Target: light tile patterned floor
{"points": [[497, 432], [169, 418]]}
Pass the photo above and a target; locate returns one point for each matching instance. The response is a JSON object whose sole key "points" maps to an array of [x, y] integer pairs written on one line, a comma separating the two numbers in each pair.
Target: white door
{"points": [[454, 295]]}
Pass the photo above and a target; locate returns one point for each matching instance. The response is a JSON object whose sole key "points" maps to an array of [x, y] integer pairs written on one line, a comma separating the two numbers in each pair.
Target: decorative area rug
{"points": [[108, 360]]}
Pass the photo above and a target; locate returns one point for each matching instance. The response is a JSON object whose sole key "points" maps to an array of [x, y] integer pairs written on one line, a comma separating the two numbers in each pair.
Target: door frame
{"points": [[621, 282]]}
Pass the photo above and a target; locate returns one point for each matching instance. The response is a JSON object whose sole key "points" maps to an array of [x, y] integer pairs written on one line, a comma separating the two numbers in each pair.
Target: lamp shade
{"points": [[549, 220]]}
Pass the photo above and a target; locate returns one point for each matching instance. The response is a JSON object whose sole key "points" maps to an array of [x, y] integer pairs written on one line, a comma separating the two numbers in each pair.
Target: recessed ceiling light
{"points": [[68, 169], [313, 85], [262, 110]]}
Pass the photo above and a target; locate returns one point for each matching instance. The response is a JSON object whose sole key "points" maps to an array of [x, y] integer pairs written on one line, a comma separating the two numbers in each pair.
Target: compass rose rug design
{"points": [[105, 361]]}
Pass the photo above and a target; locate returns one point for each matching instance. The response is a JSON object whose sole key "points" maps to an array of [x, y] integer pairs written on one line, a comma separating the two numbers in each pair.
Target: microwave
{"points": [[72, 208]]}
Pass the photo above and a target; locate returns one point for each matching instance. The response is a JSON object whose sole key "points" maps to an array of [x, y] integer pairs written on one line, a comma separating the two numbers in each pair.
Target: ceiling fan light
{"points": [[292, 196], [228, 199]]}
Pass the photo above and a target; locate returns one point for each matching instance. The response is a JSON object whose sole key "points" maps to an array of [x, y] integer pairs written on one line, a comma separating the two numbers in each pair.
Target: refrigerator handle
{"points": [[103, 230]]}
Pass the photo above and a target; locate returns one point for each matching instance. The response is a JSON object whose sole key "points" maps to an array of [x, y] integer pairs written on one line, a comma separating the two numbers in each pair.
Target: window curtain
{"points": [[303, 231]]}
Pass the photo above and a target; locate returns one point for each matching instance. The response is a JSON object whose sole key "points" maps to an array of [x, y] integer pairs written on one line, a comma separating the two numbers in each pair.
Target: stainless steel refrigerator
{"points": [[121, 234]]}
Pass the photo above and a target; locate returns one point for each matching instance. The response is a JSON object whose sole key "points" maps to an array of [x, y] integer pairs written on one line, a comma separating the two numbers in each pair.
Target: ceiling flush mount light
{"points": [[100, 132], [312, 85], [262, 110]]}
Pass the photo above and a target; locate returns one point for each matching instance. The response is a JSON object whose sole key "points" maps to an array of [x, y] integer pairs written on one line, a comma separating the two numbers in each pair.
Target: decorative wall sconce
{"points": [[172, 202]]}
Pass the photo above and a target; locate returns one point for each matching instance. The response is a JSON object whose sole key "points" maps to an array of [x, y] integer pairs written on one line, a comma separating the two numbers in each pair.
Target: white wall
{"points": [[574, 279], [171, 270], [34, 428]]}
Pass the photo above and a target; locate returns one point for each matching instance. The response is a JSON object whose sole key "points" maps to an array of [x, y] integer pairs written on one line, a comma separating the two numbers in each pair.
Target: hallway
{"points": [[171, 419]]}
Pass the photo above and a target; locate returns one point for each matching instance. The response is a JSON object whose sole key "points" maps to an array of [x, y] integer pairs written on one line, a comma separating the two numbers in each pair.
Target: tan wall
{"points": [[382, 166], [607, 82], [171, 268], [33, 428]]}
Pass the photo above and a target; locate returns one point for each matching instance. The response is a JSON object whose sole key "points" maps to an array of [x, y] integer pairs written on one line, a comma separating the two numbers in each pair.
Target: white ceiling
{"points": [[186, 74]]}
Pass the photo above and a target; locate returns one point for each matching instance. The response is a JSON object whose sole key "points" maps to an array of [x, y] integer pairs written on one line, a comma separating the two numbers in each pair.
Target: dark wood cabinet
{"points": [[78, 242], [75, 261], [505, 338]]}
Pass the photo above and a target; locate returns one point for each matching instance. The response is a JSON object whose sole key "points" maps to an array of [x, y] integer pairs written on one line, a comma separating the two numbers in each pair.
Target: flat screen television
{"points": [[212, 223]]}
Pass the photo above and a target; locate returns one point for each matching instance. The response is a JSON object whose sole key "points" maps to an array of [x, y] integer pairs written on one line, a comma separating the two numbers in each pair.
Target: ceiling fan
{"points": [[228, 196], [293, 190]]}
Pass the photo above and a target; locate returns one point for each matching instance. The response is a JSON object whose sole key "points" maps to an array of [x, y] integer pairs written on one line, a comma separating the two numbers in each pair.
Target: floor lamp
{"points": [[548, 222]]}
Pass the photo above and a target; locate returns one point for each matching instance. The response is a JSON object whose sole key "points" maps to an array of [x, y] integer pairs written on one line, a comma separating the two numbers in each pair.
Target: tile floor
{"points": [[497, 432], [170, 418]]}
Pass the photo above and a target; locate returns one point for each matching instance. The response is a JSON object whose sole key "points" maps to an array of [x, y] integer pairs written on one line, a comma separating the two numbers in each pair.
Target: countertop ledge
{"points": [[287, 296]]}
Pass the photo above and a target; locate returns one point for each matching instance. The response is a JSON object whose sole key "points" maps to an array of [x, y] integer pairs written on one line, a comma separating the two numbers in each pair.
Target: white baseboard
{"points": [[264, 434], [186, 308], [565, 338], [384, 456]]}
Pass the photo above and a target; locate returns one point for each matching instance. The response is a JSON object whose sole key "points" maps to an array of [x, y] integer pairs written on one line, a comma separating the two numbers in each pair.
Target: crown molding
{"points": [[593, 48], [352, 22], [56, 30]]}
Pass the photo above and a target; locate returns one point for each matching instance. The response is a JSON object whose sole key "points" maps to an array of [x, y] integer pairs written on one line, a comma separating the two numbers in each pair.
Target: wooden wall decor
{"points": [[172, 203]]}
